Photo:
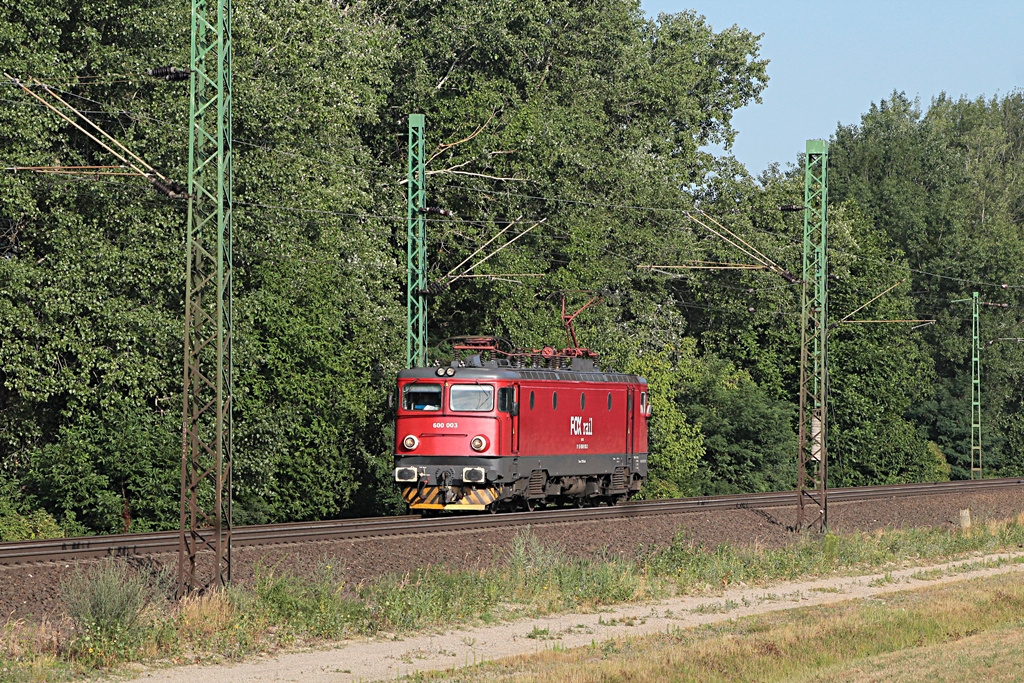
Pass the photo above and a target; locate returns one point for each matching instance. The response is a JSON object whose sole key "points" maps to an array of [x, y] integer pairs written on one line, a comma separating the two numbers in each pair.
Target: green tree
{"points": [[586, 115], [943, 186], [878, 371], [92, 274], [675, 442], [748, 437], [87, 287]]}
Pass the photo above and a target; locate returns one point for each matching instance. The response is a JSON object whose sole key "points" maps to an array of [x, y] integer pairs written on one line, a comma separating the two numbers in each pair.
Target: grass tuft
{"points": [[313, 607]]}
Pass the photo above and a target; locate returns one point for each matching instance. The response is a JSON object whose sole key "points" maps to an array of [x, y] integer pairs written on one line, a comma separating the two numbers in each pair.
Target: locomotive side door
{"points": [[515, 418], [508, 408], [629, 420]]}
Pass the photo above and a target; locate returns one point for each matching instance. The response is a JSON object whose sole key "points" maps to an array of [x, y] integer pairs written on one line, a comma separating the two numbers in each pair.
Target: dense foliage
{"points": [[585, 117], [943, 192]]}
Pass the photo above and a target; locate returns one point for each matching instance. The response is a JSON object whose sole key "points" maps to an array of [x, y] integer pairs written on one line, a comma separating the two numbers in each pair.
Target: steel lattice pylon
{"points": [[204, 554], [416, 248], [812, 456], [975, 393]]}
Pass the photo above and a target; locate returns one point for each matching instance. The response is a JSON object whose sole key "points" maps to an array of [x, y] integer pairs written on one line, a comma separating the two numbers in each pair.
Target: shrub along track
{"points": [[30, 572]]}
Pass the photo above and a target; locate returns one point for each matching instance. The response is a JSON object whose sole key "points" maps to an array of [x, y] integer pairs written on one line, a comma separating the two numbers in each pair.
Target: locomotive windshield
{"points": [[421, 397], [471, 397]]}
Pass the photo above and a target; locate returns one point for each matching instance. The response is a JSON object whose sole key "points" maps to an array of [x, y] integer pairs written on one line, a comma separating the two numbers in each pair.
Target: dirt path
{"points": [[377, 659]]}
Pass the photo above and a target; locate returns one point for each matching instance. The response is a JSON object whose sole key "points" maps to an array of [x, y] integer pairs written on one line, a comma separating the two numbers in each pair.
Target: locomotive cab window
{"points": [[505, 398], [474, 398], [421, 397], [643, 401]]}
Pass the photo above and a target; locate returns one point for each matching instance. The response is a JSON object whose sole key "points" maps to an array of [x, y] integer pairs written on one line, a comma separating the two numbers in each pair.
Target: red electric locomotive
{"points": [[499, 429]]}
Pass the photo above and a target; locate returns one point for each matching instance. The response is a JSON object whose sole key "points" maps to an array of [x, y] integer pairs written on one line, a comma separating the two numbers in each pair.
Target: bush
{"points": [[107, 603], [15, 526]]}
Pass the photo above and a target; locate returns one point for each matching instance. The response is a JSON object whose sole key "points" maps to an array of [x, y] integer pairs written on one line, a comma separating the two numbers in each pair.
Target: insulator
{"points": [[791, 207], [170, 189], [436, 287], [816, 439], [169, 73], [436, 211]]}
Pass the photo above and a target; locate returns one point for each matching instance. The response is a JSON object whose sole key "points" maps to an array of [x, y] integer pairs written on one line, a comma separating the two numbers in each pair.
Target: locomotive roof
{"points": [[510, 373]]}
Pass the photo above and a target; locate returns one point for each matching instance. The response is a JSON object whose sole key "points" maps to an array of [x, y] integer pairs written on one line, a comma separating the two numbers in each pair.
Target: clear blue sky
{"points": [[830, 60]]}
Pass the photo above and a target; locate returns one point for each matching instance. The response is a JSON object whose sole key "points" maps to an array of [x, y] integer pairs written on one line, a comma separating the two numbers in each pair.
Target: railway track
{"points": [[88, 547]]}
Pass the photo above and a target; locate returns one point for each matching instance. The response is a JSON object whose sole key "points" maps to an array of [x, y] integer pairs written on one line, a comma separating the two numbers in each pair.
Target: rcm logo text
{"points": [[577, 427]]}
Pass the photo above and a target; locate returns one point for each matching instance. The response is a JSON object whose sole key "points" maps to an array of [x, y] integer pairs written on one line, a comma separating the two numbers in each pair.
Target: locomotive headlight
{"points": [[478, 443], [440, 372], [410, 442], [449, 371]]}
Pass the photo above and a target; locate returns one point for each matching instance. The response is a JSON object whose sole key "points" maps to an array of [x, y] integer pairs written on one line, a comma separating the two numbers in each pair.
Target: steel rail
{"points": [[151, 543]]}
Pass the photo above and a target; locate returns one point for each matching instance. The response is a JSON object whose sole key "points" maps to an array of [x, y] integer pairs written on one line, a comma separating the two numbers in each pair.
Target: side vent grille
{"points": [[620, 479], [536, 488]]}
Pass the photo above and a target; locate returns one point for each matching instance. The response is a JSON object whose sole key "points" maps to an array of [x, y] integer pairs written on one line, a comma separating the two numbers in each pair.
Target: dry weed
{"points": [[20, 640], [204, 616]]}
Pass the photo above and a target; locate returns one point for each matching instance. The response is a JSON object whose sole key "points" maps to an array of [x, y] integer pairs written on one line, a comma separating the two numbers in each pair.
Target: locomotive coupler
{"points": [[449, 494]]}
